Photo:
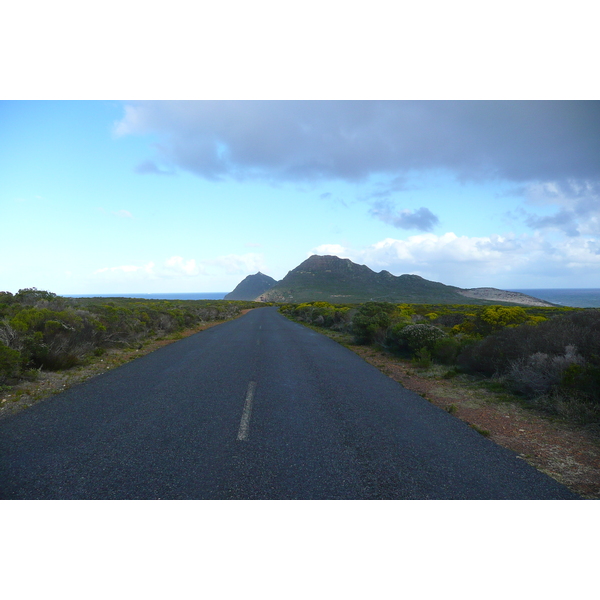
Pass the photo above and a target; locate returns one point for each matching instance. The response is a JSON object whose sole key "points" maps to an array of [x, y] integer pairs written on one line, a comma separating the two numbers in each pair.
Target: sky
{"points": [[193, 196]]}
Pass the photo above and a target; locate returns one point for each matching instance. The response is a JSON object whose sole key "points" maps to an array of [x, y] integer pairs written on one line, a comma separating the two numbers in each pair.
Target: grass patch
{"points": [[481, 430]]}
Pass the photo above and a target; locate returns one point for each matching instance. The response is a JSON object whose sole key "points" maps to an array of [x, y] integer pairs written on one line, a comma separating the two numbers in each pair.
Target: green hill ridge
{"points": [[339, 280], [251, 287]]}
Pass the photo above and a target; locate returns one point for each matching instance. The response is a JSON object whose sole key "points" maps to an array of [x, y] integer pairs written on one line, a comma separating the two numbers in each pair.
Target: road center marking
{"points": [[245, 422]]}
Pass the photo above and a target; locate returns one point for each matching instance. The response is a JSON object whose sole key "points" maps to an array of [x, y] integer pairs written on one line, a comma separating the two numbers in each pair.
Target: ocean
{"points": [[578, 298], [172, 296]]}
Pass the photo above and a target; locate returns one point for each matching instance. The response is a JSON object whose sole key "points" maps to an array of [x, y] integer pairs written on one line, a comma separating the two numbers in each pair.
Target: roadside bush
{"points": [[422, 359], [370, 329], [371, 321], [322, 314], [394, 340], [445, 350], [55, 339], [450, 320], [8, 336], [555, 364], [495, 353], [10, 363], [583, 380], [539, 373], [342, 319], [495, 318], [420, 335], [572, 406]]}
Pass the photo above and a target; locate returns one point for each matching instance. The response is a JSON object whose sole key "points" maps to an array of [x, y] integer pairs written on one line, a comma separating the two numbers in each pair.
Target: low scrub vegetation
{"points": [[40, 330], [548, 356]]}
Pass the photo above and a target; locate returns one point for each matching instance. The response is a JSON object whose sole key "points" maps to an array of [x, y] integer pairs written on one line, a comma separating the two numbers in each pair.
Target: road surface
{"points": [[256, 408]]}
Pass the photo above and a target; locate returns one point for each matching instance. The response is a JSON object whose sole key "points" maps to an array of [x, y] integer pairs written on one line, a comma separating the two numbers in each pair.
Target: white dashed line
{"points": [[245, 422]]}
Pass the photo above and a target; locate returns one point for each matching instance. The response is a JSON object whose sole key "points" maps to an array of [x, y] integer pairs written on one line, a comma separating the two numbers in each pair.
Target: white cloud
{"points": [[508, 261], [131, 122], [577, 203], [331, 249], [178, 265], [422, 251]]}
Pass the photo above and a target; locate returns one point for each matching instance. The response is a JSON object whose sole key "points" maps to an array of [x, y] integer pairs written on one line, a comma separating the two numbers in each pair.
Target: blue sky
{"points": [[124, 197]]}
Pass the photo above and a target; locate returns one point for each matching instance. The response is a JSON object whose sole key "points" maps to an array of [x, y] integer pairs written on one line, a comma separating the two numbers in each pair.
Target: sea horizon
{"points": [[157, 296], [573, 297]]}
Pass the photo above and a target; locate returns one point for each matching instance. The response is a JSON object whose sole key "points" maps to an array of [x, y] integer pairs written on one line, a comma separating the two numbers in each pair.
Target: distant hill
{"points": [[251, 287], [339, 280], [494, 294]]}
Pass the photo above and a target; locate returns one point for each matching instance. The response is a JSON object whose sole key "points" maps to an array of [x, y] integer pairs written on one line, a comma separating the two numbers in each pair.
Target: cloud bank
{"points": [[302, 140], [177, 267], [526, 261], [577, 204]]}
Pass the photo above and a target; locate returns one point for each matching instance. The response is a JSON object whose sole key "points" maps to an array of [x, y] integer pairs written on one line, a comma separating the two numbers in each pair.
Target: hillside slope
{"points": [[251, 287], [496, 295]]}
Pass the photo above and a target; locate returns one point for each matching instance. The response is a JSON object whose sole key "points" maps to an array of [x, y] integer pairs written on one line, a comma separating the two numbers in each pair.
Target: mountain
{"points": [[251, 287], [339, 280]]}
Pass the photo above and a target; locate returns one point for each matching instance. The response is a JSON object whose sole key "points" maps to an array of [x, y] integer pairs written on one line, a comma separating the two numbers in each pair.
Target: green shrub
{"points": [[497, 317], [10, 363], [33, 296], [371, 321], [422, 358], [539, 373], [394, 339], [496, 353], [420, 335], [555, 363], [571, 405], [322, 314], [445, 350], [583, 380]]}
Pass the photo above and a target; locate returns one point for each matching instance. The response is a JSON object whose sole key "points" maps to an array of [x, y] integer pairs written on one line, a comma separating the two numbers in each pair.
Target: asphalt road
{"points": [[256, 408]]}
